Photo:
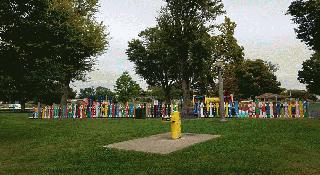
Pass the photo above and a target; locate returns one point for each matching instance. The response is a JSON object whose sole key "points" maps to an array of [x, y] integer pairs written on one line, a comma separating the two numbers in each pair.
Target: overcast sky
{"points": [[262, 28]]}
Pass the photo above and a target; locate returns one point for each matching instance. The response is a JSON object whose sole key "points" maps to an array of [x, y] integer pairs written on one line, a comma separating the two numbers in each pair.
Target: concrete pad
{"points": [[162, 143]]}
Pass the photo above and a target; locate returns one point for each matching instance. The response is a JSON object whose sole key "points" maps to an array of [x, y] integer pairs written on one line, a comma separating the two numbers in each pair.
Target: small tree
{"points": [[158, 93], [126, 88], [87, 92], [103, 92], [251, 78]]}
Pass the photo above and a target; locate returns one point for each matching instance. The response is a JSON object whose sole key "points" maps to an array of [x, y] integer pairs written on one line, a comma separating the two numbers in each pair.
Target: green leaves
{"points": [[251, 78], [309, 74], [154, 59], [96, 93], [50, 42], [182, 46], [126, 88], [225, 45], [307, 15], [87, 92], [103, 92]]}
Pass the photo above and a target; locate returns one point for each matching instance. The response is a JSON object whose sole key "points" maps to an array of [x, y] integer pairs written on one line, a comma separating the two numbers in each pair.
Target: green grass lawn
{"points": [[76, 147]]}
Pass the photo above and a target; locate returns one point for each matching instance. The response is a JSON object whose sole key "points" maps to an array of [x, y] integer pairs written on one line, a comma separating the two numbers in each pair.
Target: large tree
{"points": [[21, 31], [309, 74], [49, 42], [81, 39], [183, 47], [251, 78], [126, 88], [224, 47], [54, 95], [306, 13], [154, 60], [187, 24]]}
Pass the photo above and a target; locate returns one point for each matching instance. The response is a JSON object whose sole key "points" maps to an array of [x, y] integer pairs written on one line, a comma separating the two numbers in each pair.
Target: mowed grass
{"points": [[70, 146]]}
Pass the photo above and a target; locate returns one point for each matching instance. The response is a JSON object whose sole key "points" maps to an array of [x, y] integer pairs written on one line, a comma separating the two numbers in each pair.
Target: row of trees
{"points": [[45, 45], [182, 49], [125, 89], [247, 79], [180, 52], [251, 78]]}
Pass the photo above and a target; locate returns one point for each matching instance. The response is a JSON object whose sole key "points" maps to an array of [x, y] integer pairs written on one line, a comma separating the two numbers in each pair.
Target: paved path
{"points": [[162, 143]]}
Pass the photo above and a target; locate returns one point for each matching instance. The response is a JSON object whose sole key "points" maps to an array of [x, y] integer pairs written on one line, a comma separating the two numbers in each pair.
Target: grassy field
{"points": [[76, 147]]}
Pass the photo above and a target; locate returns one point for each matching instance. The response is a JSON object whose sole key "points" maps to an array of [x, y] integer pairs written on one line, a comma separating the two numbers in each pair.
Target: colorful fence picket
{"points": [[256, 109], [105, 110]]}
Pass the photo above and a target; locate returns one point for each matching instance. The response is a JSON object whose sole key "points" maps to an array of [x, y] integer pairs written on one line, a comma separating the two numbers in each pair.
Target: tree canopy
{"points": [[96, 93], [154, 59], [306, 13], [46, 43], [310, 72], [183, 46], [87, 92], [187, 24], [224, 47], [251, 78], [126, 88], [103, 92]]}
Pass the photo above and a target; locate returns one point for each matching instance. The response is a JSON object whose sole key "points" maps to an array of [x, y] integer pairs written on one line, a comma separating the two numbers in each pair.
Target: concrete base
{"points": [[162, 143]]}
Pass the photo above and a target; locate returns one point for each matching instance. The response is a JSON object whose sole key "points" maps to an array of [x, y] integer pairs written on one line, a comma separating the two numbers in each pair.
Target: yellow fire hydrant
{"points": [[175, 126]]}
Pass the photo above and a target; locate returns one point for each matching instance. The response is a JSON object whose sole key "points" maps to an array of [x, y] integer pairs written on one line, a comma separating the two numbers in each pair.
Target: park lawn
{"points": [[70, 146]]}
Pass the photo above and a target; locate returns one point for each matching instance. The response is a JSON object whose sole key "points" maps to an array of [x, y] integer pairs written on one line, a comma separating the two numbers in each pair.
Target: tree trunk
{"points": [[23, 105], [167, 93], [186, 107], [65, 95]]}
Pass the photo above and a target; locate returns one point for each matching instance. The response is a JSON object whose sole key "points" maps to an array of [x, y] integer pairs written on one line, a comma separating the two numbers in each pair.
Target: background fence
{"points": [[314, 108]]}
